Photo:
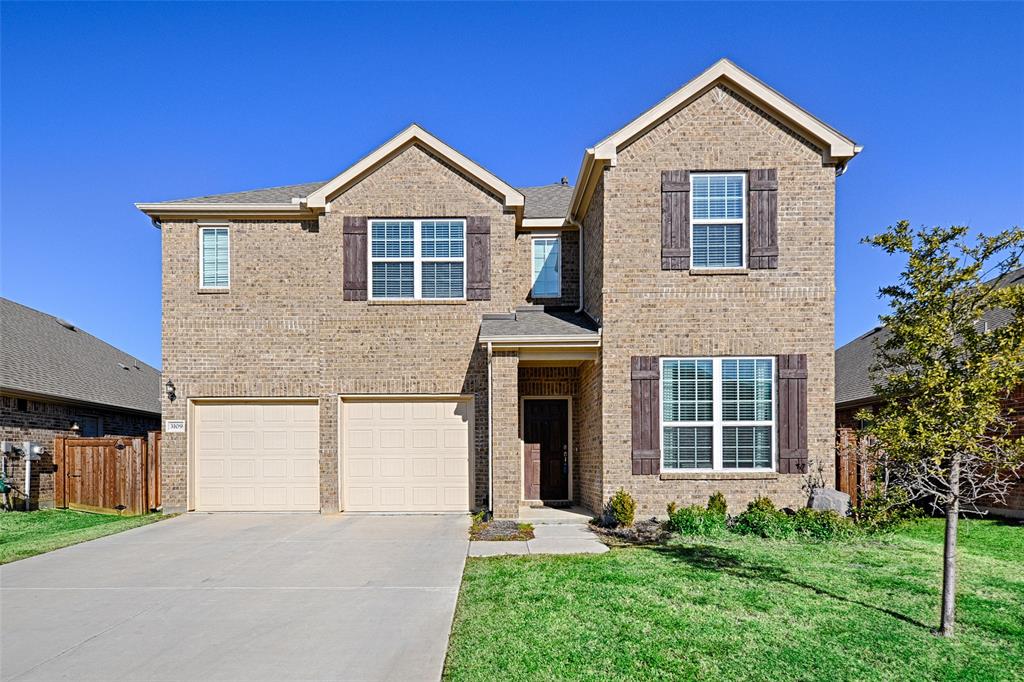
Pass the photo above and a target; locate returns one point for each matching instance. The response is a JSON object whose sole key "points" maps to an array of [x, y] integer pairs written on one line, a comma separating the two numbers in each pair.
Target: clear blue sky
{"points": [[107, 104]]}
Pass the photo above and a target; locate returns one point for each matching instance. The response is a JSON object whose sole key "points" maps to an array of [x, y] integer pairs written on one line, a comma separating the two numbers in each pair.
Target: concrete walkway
{"points": [[554, 538], [239, 597]]}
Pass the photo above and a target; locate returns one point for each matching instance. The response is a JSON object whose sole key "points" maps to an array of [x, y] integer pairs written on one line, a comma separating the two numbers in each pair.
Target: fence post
{"points": [[60, 474]]}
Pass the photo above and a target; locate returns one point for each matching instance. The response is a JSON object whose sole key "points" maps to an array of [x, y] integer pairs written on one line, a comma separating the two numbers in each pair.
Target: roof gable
{"points": [[836, 146], [413, 135]]}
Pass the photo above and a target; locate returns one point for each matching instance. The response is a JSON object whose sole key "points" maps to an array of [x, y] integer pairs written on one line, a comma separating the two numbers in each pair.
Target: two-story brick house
{"points": [[415, 334]]}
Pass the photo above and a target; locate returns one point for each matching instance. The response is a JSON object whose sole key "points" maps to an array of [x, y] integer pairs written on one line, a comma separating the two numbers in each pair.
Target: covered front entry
{"points": [[546, 449], [406, 454]]}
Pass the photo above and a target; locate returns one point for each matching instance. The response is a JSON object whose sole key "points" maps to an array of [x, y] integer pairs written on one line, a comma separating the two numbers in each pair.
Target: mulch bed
{"points": [[646, 532], [501, 529]]}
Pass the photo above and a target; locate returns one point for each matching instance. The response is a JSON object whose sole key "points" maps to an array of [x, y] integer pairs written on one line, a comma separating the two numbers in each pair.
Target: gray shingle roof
{"points": [[270, 195], [41, 356], [535, 321], [855, 360], [545, 201]]}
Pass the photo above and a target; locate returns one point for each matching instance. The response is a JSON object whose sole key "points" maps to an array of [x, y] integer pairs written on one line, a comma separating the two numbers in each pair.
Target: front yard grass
{"points": [[745, 608], [25, 534]]}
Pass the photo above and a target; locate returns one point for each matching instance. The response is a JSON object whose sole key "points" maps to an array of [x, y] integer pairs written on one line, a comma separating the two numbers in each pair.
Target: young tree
{"points": [[943, 371]]}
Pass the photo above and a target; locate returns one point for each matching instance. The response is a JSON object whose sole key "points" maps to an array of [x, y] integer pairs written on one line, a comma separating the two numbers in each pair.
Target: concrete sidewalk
{"points": [[557, 538], [239, 597]]}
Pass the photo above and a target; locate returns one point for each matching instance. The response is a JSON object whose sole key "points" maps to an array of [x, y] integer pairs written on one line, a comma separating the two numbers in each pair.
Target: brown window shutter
{"points": [[792, 413], [478, 258], [646, 413], [675, 220], [762, 219], [354, 250]]}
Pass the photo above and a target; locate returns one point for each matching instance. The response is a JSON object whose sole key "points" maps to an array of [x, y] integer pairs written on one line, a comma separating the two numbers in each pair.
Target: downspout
{"points": [[490, 433]]}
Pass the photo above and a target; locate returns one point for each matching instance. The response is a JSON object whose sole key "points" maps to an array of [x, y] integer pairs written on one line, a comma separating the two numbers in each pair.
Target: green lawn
{"points": [[25, 534], [747, 609]]}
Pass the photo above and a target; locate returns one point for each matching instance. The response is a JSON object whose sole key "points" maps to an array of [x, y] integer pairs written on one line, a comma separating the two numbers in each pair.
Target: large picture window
{"points": [[718, 414], [418, 259], [718, 217]]}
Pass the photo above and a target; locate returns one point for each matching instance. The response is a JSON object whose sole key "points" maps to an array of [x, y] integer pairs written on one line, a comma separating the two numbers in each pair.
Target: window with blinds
{"points": [[718, 215], [417, 259], [214, 258], [717, 413]]}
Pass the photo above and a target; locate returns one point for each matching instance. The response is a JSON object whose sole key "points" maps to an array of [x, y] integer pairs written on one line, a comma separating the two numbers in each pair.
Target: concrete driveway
{"points": [[239, 597]]}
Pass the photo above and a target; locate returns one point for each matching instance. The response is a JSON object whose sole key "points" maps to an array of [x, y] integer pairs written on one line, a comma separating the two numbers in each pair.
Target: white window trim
{"points": [[533, 265], [742, 222], [417, 259], [205, 227], [716, 422]]}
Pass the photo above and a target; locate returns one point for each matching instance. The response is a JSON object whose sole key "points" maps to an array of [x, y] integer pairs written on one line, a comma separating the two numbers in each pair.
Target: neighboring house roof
{"points": [[855, 360], [836, 147], [535, 323], [42, 355]]}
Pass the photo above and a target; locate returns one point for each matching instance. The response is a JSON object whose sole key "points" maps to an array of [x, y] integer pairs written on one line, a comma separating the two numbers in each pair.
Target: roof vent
{"points": [[66, 324], [565, 180], [123, 366]]}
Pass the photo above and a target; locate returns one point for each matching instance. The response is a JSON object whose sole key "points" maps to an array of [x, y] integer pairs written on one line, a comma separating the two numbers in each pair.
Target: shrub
{"points": [[763, 520], [716, 504], [882, 510], [826, 525], [696, 520], [621, 509]]}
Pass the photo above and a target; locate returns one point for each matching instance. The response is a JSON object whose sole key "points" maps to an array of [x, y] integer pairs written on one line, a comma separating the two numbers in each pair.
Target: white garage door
{"points": [[257, 457], [406, 456]]}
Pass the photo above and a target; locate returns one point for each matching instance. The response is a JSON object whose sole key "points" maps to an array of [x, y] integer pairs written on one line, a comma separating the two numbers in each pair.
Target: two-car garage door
{"points": [[406, 455], [257, 456], [397, 456]]}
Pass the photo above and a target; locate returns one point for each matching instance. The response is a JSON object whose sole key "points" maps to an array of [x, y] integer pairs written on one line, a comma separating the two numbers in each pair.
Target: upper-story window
{"points": [[718, 219], [547, 267], [214, 258], [717, 413], [418, 259]]}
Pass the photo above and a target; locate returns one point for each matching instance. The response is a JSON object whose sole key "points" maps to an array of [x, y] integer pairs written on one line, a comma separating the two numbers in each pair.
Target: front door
{"points": [[546, 438]]}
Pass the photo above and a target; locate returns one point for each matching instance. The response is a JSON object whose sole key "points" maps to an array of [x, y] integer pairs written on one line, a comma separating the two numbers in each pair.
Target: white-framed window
{"points": [[214, 257], [718, 220], [547, 266], [417, 259], [718, 414]]}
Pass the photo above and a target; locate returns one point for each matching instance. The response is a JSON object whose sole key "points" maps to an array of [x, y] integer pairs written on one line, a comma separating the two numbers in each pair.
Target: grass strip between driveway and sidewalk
{"points": [[25, 534], [740, 608]]}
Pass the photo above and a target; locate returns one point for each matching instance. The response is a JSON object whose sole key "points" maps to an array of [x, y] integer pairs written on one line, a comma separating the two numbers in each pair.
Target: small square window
{"points": [[718, 220]]}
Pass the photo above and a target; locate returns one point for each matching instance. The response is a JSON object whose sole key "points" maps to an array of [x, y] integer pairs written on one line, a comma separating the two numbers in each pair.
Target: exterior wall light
{"points": [[170, 390]]}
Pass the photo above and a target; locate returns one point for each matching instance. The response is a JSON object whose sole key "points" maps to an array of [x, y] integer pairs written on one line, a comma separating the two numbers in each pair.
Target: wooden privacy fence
{"points": [[110, 474]]}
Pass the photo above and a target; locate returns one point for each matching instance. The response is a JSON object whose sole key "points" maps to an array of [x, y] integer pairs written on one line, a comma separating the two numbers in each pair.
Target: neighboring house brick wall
{"points": [[648, 311], [41, 421]]}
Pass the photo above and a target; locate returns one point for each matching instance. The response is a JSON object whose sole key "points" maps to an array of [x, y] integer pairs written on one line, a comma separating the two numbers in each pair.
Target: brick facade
{"points": [[649, 311], [40, 421], [284, 329]]}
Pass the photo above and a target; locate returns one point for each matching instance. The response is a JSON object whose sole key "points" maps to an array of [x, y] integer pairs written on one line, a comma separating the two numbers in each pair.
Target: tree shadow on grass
{"points": [[712, 558]]}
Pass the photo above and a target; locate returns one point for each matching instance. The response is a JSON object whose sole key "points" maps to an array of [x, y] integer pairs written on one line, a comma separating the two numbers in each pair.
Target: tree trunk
{"points": [[949, 554]]}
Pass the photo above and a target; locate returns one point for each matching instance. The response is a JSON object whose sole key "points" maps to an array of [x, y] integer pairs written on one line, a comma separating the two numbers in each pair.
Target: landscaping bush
{"points": [[882, 510], [826, 525], [716, 504], [763, 520], [695, 520], [621, 509]]}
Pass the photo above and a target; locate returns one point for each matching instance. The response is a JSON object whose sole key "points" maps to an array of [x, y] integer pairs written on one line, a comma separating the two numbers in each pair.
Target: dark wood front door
{"points": [[546, 438]]}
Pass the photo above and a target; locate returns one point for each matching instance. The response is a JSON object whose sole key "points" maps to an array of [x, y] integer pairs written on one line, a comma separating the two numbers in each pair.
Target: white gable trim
{"points": [[837, 146], [414, 134]]}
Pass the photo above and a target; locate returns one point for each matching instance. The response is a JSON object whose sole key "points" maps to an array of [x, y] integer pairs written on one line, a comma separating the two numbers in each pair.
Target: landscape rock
{"points": [[823, 499]]}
